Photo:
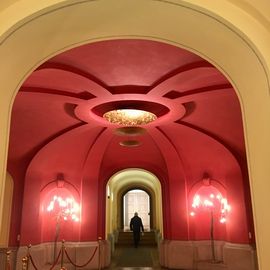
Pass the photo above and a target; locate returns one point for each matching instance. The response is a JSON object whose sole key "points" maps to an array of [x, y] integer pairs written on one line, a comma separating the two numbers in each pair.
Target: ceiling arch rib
{"points": [[189, 79], [212, 136], [168, 152], [72, 69], [56, 92], [207, 94], [60, 80], [48, 140], [97, 149], [204, 152], [179, 70], [178, 95], [98, 85], [97, 137], [62, 148]]}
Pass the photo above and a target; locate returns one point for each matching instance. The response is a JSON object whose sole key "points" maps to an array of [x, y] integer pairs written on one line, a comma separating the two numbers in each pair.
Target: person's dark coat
{"points": [[136, 224]]}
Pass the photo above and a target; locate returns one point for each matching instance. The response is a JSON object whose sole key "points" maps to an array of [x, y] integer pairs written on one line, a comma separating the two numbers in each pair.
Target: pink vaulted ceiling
{"points": [[56, 121]]}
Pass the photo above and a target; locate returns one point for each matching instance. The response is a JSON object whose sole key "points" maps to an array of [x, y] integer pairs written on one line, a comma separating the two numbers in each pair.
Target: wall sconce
{"points": [[63, 210], [208, 198]]}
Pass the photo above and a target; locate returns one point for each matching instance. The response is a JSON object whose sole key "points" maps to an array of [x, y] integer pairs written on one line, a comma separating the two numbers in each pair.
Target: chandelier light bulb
{"points": [[129, 117], [64, 208], [212, 202], [223, 220]]}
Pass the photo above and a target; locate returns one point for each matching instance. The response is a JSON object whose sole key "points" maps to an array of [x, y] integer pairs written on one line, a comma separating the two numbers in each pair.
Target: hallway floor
{"points": [[143, 257]]}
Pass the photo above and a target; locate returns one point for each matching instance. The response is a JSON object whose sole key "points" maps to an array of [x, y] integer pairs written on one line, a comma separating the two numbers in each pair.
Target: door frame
{"points": [[121, 203]]}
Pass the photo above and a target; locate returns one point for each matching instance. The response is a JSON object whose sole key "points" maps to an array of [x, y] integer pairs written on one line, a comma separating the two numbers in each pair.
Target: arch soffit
{"points": [[122, 192], [127, 179], [213, 182], [54, 186]]}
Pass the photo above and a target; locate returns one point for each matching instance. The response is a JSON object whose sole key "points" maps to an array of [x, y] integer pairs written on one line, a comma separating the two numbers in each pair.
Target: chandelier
{"points": [[129, 117]]}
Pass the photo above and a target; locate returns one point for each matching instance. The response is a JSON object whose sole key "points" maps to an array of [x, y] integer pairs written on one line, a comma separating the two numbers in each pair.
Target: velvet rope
{"points": [[57, 259], [33, 263], [83, 265], [54, 264]]}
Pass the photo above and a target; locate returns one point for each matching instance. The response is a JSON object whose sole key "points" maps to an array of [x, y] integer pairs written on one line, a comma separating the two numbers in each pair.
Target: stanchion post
{"points": [[62, 254], [8, 260], [28, 256], [99, 253], [24, 263]]}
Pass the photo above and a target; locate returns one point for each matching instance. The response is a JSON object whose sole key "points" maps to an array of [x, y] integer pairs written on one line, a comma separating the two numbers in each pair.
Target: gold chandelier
{"points": [[129, 117]]}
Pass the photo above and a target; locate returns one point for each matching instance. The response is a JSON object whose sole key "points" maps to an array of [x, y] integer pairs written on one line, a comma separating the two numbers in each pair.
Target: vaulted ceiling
{"points": [[57, 115]]}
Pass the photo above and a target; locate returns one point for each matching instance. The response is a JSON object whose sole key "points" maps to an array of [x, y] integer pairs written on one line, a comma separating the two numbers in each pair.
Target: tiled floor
{"points": [[146, 258], [130, 258]]}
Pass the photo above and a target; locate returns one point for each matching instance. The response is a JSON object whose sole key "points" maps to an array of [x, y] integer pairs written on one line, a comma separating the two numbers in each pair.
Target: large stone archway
{"points": [[221, 34]]}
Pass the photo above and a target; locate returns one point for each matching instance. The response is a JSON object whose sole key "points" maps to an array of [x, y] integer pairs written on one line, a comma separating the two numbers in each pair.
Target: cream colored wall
{"points": [[249, 19], [7, 204], [230, 34]]}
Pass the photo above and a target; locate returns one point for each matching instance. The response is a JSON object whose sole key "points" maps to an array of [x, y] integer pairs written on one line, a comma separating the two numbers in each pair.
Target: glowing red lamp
{"points": [[63, 209], [66, 208], [209, 198]]}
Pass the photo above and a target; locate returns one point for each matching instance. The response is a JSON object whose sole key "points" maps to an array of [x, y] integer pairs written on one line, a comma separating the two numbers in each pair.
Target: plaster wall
{"points": [[4, 235]]}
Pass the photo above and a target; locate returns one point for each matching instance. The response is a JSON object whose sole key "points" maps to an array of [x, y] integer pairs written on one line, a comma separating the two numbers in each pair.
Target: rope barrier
{"points": [[62, 253], [28, 258], [82, 265], [32, 261], [57, 259], [25, 259]]}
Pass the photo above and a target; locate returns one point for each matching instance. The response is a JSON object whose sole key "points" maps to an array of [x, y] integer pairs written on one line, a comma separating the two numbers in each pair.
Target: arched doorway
{"points": [[136, 200], [138, 184], [129, 180]]}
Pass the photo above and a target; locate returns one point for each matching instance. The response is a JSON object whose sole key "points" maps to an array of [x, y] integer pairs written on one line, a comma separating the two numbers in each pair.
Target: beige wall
{"points": [[233, 35], [7, 203]]}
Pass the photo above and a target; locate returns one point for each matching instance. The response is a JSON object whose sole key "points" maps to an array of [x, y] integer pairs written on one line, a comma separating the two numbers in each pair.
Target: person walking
{"points": [[136, 226]]}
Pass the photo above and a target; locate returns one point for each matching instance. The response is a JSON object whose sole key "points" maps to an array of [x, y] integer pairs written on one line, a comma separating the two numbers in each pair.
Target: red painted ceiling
{"points": [[56, 125], [57, 128]]}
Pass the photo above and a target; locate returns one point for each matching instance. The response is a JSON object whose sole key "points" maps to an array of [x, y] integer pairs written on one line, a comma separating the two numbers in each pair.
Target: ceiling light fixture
{"points": [[129, 117], [130, 131], [130, 143]]}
